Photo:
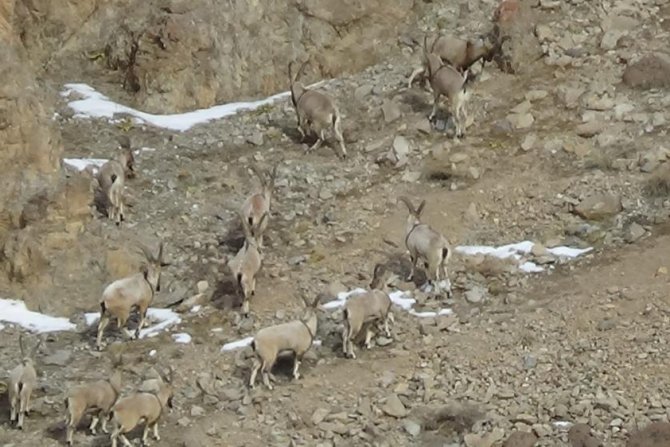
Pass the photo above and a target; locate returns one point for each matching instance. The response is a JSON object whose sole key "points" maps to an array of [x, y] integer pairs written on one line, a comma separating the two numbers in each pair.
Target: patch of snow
{"points": [[196, 308], [237, 344], [152, 353], [342, 298], [217, 329], [96, 105], [164, 317], [518, 250], [81, 164], [16, 312], [562, 424], [182, 337]]}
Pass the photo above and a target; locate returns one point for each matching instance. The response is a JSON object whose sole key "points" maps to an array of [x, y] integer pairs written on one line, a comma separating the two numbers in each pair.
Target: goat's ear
{"points": [[419, 210]]}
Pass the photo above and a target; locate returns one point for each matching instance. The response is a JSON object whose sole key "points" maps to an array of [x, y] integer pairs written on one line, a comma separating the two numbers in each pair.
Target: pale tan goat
{"points": [[98, 396], [136, 291], [316, 112], [130, 411], [22, 382], [258, 204], [365, 309], [294, 337], [423, 242], [111, 181]]}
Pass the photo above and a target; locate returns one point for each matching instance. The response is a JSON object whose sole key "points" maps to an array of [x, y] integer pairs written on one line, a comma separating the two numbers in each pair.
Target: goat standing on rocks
{"points": [[316, 112], [136, 291], [258, 204], [22, 382], [423, 242]]}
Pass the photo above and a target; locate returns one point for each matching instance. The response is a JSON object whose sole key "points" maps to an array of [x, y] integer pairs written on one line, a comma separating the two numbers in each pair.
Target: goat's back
{"points": [[130, 410], [112, 167], [99, 394], [317, 106], [291, 336], [451, 48], [424, 239], [368, 306], [132, 289], [447, 81]]}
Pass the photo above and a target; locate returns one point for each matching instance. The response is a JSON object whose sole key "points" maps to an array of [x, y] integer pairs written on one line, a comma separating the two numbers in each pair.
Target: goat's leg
{"points": [[94, 423], [140, 325], [345, 340], [296, 365], [102, 324], [414, 260], [368, 338], [319, 141], [414, 74], [338, 134], [103, 421], [13, 407], [267, 367], [156, 435], [257, 365], [145, 434], [436, 98], [125, 441]]}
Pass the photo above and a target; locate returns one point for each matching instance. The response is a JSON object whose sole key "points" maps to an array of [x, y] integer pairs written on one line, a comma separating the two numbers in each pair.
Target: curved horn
{"points": [[260, 174], [37, 346], [302, 70], [146, 252], [290, 72], [23, 351], [406, 201], [159, 258]]}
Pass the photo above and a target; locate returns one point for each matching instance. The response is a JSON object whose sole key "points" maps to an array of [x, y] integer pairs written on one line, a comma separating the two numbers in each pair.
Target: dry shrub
{"points": [[658, 185]]}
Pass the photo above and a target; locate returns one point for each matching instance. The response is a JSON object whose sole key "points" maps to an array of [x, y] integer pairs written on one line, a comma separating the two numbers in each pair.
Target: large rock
{"points": [[651, 71], [599, 206], [174, 55]]}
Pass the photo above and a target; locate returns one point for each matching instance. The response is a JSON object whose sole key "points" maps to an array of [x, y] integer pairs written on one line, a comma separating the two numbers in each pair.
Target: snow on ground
{"points": [[182, 337], [16, 312], [81, 164], [518, 250], [96, 105], [164, 318], [243, 343]]}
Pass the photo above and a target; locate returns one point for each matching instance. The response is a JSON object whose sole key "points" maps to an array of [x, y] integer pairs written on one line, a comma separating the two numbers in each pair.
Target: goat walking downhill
{"points": [[423, 242], [136, 291], [316, 112], [258, 204], [111, 181]]}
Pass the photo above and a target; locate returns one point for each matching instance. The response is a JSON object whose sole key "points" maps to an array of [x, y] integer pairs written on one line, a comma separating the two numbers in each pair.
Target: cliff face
{"points": [[177, 55]]}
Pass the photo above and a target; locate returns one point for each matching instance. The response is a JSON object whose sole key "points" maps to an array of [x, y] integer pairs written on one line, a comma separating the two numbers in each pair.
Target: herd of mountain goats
{"points": [[447, 71]]}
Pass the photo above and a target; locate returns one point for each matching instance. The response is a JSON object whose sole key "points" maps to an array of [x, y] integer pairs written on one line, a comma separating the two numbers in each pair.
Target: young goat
{"points": [[139, 408], [316, 111], [423, 242], [22, 382], [295, 336], [136, 291], [459, 53], [366, 309], [111, 180], [446, 80], [258, 204], [99, 396], [248, 261]]}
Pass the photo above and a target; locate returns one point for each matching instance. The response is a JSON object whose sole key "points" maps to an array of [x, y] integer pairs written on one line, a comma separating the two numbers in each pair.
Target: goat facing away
{"points": [[248, 261], [111, 181], [295, 336], [362, 310], [423, 242], [258, 204], [446, 81], [132, 292], [22, 382], [315, 111]]}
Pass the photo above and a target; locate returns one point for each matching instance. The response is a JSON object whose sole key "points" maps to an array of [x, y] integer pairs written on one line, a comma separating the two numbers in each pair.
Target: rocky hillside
{"points": [[569, 149]]}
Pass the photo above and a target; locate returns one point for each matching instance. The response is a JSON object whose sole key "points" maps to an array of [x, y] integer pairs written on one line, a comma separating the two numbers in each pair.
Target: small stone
{"points": [[599, 206], [197, 411], [606, 324], [59, 358], [401, 147], [391, 111], [590, 129], [475, 295], [528, 142], [411, 427], [539, 250], [383, 341], [521, 439], [521, 120], [393, 406], [634, 232], [202, 286], [529, 361], [362, 91], [256, 139], [183, 422], [319, 415]]}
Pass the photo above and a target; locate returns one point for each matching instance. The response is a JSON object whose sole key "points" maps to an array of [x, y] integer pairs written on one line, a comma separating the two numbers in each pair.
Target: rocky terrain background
{"points": [[571, 149]]}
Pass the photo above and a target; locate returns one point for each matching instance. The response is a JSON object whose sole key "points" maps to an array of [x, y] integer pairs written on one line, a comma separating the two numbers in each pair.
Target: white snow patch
{"points": [[196, 308], [399, 298], [81, 164], [182, 337], [164, 317], [96, 105], [237, 344], [152, 353], [563, 424], [16, 312], [518, 250], [342, 298]]}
